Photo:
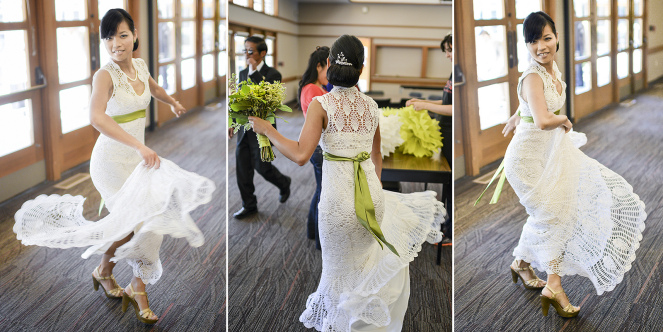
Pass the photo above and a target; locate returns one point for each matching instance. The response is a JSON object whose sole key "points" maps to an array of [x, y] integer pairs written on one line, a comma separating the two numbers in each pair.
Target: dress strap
{"points": [[364, 207]]}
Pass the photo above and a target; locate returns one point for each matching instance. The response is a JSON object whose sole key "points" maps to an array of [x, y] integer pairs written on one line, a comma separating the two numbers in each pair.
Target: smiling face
{"points": [[543, 49], [120, 46]]}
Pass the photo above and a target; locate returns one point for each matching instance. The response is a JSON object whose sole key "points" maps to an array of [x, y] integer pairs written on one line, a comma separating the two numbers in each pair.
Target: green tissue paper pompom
{"points": [[421, 133]]}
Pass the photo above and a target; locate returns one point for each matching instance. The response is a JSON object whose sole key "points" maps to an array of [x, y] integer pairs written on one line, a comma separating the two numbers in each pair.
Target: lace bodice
{"points": [[554, 100], [125, 99], [353, 119]]}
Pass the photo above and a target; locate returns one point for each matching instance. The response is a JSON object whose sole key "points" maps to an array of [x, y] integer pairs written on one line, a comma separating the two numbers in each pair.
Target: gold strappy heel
{"points": [[140, 314], [114, 293], [529, 284], [567, 312]]}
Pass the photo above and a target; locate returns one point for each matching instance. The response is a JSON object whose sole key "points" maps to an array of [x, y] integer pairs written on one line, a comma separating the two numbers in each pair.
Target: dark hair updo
{"points": [[349, 50], [113, 19], [534, 24]]}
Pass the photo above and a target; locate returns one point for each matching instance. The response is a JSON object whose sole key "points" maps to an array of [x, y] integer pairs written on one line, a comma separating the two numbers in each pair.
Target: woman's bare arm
{"points": [[298, 151], [533, 94], [102, 86], [376, 154]]}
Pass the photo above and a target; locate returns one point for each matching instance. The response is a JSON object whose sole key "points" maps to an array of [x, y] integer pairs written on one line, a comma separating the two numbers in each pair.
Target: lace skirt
{"points": [[583, 218], [362, 286], [150, 203]]}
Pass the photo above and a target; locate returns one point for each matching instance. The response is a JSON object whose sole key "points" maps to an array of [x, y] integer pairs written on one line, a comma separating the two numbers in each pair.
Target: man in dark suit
{"points": [[247, 154]]}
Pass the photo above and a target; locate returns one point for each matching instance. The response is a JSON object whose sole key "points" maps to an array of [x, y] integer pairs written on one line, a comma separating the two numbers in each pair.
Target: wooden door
{"points": [[491, 51]]}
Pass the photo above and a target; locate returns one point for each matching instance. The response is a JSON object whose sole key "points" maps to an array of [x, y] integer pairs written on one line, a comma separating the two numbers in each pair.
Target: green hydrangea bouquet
{"points": [[261, 100]]}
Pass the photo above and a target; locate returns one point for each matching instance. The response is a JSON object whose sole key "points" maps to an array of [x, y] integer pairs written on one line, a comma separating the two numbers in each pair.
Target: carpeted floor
{"points": [[626, 140], [44, 289], [273, 267]]}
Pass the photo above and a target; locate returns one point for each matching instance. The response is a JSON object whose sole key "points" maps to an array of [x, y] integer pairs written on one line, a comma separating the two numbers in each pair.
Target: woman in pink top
{"points": [[312, 85]]}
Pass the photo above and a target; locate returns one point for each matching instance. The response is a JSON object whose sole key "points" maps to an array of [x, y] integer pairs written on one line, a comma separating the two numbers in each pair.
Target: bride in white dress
{"points": [[363, 287], [583, 218], [147, 196]]}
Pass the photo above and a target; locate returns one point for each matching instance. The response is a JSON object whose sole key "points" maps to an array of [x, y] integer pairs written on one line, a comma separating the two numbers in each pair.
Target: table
{"points": [[400, 167]]}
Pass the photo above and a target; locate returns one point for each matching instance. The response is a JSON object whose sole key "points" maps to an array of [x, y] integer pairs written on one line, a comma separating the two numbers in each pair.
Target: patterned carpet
{"points": [[626, 140], [43, 289], [273, 267]]}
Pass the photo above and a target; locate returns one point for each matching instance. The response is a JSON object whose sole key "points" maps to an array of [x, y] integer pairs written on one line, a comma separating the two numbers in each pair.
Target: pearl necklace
{"points": [[132, 79]]}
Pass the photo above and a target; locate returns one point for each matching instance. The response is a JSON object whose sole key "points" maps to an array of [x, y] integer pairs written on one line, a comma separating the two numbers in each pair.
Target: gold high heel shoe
{"points": [[529, 284], [567, 312], [140, 314], [114, 293]]}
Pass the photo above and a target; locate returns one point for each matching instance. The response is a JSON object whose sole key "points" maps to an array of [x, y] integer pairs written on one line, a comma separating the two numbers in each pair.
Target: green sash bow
{"points": [[124, 118], [363, 203], [500, 170]]}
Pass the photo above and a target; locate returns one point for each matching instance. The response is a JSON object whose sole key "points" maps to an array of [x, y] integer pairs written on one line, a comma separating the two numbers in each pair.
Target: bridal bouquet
{"points": [[261, 100]]}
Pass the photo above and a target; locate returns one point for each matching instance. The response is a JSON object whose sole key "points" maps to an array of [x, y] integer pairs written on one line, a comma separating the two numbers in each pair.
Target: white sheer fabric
{"points": [[583, 218], [359, 280], [151, 203]]}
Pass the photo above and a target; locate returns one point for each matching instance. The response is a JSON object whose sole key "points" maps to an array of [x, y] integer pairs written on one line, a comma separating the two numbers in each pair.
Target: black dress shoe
{"points": [[285, 194], [244, 212]]}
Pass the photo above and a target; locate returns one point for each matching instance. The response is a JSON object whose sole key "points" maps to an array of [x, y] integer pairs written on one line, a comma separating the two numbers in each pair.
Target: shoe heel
{"points": [[125, 302], [95, 283], [514, 276], [545, 305]]}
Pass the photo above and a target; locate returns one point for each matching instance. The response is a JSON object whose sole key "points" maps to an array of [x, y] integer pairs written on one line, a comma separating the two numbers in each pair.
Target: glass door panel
{"points": [[75, 108], [525, 7], [488, 10], [14, 61], [16, 127], [73, 53], [494, 106], [490, 52], [70, 10]]}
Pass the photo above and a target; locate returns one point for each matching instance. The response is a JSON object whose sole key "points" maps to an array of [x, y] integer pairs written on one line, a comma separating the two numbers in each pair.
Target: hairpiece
{"points": [[340, 59]]}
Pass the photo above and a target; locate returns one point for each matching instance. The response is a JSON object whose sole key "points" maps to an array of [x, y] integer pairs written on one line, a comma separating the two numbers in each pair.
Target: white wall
{"points": [[303, 26], [655, 39]]}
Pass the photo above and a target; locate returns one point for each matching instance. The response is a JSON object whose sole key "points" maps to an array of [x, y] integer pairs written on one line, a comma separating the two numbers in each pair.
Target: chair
{"points": [[376, 93], [383, 102]]}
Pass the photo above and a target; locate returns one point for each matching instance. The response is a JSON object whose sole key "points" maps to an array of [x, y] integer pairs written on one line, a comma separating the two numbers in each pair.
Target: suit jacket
{"points": [[267, 74]]}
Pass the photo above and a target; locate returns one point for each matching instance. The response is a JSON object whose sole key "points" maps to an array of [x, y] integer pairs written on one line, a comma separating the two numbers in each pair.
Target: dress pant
{"points": [[312, 224], [247, 158]]}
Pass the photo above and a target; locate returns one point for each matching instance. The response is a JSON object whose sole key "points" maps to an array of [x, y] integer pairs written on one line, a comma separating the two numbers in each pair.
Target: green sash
{"points": [[124, 118], [500, 170], [363, 203]]}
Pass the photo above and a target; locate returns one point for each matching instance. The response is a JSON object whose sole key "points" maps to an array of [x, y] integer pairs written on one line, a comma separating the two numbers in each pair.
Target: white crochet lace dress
{"points": [[583, 218], [151, 203], [360, 282]]}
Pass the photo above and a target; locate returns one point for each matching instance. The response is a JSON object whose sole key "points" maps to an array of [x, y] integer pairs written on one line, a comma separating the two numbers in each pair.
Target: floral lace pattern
{"points": [[583, 219], [554, 100], [355, 270]]}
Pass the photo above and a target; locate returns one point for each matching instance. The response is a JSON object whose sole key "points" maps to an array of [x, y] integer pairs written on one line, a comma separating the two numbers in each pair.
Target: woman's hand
{"points": [[567, 125], [178, 109], [511, 125], [259, 125], [420, 105], [150, 158], [412, 101]]}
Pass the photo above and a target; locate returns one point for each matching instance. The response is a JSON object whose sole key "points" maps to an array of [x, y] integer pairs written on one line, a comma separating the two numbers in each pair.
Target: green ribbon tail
{"points": [[364, 208], [101, 206], [498, 190]]}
